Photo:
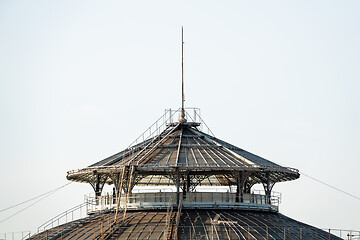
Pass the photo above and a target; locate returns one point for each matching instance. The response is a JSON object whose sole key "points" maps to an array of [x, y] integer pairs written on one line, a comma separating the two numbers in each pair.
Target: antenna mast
{"points": [[182, 114]]}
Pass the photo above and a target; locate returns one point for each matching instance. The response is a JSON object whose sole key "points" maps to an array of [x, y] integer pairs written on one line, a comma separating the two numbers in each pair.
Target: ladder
{"points": [[174, 222]]}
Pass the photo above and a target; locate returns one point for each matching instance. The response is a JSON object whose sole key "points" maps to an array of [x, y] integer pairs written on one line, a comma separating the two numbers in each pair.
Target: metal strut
{"points": [[119, 194], [182, 114], [128, 190]]}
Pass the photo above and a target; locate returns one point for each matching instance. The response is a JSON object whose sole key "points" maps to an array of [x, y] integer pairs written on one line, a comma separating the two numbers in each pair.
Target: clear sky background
{"points": [[80, 80]]}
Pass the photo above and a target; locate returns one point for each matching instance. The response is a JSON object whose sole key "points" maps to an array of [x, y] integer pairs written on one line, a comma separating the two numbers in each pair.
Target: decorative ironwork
{"points": [[99, 182]]}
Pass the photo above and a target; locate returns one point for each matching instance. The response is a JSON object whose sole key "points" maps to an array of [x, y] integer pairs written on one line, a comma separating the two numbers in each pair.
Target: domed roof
{"points": [[184, 147], [193, 224]]}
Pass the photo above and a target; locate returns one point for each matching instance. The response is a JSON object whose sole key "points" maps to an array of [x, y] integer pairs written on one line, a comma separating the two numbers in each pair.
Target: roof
{"points": [[183, 147], [205, 224]]}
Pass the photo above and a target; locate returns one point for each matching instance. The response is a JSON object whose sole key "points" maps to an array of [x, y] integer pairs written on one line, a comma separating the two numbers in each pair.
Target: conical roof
{"points": [[183, 147]]}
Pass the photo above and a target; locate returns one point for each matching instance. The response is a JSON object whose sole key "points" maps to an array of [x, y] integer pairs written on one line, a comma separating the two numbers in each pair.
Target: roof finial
{"points": [[182, 114]]}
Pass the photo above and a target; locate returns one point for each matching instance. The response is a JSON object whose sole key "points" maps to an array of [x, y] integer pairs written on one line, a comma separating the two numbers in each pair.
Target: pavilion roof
{"points": [[183, 147]]}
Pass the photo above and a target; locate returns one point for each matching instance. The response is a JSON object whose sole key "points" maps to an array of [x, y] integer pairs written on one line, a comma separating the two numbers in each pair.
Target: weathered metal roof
{"points": [[183, 147], [193, 224]]}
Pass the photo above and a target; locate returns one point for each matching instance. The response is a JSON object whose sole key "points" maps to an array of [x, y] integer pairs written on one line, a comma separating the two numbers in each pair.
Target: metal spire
{"points": [[182, 114]]}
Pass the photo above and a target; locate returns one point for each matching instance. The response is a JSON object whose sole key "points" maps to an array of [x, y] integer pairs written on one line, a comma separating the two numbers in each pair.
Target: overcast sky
{"points": [[80, 80]]}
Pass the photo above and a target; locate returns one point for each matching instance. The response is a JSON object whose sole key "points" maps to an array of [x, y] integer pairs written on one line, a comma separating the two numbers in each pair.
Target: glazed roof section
{"points": [[185, 146]]}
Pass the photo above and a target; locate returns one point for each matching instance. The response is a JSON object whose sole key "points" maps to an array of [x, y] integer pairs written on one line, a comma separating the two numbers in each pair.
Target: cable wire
{"points": [[25, 208], [35, 197], [328, 185], [335, 188], [43, 196]]}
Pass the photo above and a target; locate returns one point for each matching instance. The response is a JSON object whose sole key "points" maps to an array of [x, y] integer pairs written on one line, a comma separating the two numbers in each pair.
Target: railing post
{"points": [[157, 130]]}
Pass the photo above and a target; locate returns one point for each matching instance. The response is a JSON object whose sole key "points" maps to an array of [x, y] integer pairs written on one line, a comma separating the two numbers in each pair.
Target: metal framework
{"points": [[183, 156]]}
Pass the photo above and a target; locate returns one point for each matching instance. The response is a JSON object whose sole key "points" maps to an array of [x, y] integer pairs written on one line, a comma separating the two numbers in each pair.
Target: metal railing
{"points": [[218, 229], [15, 235], [203, 166], [224, 229], [345, 234], [162, 200], [65, 217], [170, 116]]}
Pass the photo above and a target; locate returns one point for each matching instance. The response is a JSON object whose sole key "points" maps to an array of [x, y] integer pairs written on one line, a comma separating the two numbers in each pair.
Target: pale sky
{"points": [[80, 80]]}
